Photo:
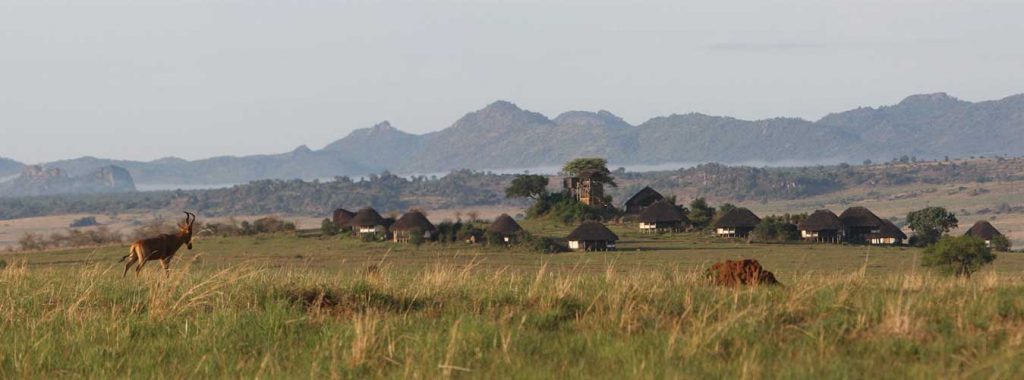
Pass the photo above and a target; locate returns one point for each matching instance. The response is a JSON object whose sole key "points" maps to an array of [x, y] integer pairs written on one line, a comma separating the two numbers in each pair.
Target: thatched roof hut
{"points": [[821, 220], [504, 225], [983, 230], [642, 199], [888, 233], [738, 218], [367, 218], [661, 212], [342, 217], [413, 220], [592, 236], [860, 217]]}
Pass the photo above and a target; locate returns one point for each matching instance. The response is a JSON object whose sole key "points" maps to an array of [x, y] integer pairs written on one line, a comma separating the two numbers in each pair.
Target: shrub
{"points": [[775, 229], [271, 224], [495, 239], [84, 222], [1001, 244], [328, 228], [542, 244], [416, 237], [960, 256]]}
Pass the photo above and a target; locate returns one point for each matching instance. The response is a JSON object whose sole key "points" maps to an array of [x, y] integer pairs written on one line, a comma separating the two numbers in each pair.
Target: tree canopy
{"points": [[961, 255], [527, 186], [700, 213], [930, 223], [596, 167]]}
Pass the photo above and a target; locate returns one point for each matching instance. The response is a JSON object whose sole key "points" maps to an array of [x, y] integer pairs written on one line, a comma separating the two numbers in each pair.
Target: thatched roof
{"points": [[644, 197], [342, 216], [592, 231], [663, 212], [413, 220], [983, 230], [367, 217], [888, 230], [821, 220], [504, 224], [738, 218], [858, 216]]}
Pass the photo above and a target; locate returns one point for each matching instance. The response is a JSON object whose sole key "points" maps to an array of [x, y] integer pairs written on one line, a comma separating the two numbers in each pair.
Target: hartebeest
{"points": [[161, 247]]}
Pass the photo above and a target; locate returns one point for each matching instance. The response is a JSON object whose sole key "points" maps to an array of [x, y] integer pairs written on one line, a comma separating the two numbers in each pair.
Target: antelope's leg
{"points": [[131, 260], [141, 264], [166, 264]]}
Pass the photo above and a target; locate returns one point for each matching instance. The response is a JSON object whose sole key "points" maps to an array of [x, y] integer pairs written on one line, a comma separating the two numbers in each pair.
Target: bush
{"points": [[960, 256], [328, 228], [416, 237], [84, 222], [560, 207], [1001, 244], [271, 224], [495, 239], [542, 244], [775, 229]]}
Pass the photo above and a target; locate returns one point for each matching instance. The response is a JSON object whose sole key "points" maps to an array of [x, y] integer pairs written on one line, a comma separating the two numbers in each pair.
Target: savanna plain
{"points": [[281, 306]]}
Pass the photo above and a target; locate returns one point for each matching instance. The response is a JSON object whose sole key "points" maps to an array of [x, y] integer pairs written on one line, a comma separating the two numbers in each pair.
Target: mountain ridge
{"points": [[502, 135]]}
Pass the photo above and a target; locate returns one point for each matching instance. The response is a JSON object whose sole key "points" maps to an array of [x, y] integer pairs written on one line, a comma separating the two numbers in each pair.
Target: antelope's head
{"points": [[185, 229]]}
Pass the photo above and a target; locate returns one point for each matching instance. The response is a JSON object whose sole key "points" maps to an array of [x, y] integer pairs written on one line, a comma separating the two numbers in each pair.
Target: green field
{"points": [[285, 307]]}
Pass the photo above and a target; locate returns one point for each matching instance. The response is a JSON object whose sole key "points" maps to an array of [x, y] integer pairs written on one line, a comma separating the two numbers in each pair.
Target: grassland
{"points": [[284, 307]]}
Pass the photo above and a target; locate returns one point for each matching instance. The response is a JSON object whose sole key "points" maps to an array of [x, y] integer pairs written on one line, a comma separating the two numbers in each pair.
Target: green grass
{"points": [[284, 307]]}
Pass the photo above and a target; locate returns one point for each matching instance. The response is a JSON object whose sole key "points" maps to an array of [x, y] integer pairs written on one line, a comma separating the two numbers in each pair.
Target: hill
{"points": [[37, 181], [504, 136], [9, 167]]}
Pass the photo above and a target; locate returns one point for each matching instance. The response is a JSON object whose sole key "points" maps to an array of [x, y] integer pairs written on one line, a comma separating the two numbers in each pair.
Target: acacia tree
{"points": [[527, 186], [930, 223], [961, 255], [596, 167], [700, 213]]}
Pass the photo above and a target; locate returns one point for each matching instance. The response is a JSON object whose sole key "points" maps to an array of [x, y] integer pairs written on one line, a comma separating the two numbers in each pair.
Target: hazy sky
{"points": [[143, 79]]}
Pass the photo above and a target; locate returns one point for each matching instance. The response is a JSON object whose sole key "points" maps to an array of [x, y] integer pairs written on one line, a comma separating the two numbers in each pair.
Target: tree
{"points": [[930, 223], [1001, 244], [328, 228], [597, 167], [961, 255], [527, 186], [724, 209], [700, 213]]}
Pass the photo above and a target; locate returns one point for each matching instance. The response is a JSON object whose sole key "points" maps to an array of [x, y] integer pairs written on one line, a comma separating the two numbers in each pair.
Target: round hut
{"points": [[859, 222], [983, 230], [367, 221], [412, 222], [506, 227], [822, 226], [641, 200], [888, 234], [592, 236], [736, 223], [661, 217], [342, 217]]}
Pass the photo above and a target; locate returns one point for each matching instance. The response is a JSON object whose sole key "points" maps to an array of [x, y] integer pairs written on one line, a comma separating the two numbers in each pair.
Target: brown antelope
{"points": [[161, 247]]}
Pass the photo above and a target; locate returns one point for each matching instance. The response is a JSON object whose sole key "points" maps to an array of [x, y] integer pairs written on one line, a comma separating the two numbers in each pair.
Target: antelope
{"points": [[161, 247]]}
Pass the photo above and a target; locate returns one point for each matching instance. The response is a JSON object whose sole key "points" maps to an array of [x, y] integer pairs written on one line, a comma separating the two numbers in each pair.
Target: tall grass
{"points": [[448, 320]]}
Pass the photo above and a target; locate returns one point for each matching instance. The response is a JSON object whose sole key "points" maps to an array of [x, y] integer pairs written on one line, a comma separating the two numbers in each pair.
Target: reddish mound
{"points": [[744, 272]]}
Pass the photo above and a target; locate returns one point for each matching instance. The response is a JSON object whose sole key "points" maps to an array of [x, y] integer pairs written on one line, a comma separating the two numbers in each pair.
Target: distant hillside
{"points": [[39, 181], [466, 189], [9, 167], [504, 136]]}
